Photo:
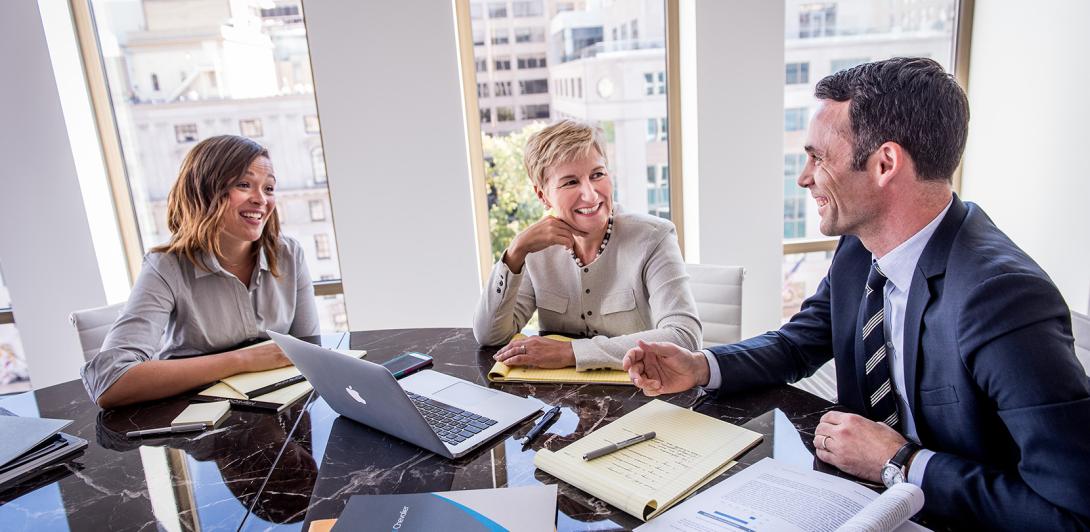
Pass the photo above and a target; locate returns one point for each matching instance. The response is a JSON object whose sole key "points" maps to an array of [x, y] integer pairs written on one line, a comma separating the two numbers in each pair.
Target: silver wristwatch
{"points": [[896, 470]]}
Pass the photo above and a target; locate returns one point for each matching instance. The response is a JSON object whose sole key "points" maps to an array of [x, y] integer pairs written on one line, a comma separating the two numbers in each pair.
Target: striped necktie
{"points": [[880, 396]]}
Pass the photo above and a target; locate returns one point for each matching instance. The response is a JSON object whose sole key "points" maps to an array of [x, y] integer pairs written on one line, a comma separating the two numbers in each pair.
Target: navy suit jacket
{"points": [[990, 373]]}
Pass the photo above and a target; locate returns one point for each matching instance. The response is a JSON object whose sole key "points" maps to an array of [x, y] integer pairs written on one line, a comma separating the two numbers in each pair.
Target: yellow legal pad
{"points": [[501, 372], [210, 414], [689, 450]]}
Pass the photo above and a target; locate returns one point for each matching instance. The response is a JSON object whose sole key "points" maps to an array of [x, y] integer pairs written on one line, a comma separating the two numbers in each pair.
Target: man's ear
{"points": [[889, 160]]}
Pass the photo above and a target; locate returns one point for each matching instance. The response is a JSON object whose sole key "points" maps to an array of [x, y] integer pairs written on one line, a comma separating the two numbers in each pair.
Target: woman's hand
{"points": [[538, 352], [547, 232], [261, 357]]}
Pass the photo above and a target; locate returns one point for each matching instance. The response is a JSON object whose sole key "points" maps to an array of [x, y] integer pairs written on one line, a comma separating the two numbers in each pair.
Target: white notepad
{"points": [[208, 413]]}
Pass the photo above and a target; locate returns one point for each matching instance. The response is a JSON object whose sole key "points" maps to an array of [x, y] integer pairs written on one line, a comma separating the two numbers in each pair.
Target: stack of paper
{"points": [[31, 445]]}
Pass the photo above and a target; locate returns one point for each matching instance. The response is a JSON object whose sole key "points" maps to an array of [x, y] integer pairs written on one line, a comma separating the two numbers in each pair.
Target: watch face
{"points": [[891, 475]]}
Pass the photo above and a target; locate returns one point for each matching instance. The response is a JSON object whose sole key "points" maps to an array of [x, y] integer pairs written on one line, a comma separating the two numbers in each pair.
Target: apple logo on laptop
{"points": [[355, 395]]}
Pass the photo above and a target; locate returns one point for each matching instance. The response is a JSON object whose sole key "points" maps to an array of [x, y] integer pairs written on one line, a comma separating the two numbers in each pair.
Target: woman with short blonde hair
{"points": [[608, 278], [225, 276]]}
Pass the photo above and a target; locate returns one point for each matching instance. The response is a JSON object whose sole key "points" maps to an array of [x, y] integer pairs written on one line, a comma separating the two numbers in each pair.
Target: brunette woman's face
{"points": [[251, 201]]}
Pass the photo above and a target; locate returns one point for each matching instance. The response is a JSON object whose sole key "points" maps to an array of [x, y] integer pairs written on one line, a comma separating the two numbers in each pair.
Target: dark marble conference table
{"points": [[264, 471]]}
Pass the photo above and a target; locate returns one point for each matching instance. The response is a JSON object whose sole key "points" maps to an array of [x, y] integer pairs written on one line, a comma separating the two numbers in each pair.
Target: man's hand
{"points": [[538, 352], [855, 444], [660, 367]]}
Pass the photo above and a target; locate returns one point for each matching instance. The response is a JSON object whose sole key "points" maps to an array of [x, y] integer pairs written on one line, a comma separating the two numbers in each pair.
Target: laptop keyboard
{"points": [[453, 425]]}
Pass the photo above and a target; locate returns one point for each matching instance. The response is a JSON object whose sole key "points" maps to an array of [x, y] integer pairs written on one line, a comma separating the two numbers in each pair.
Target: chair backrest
{"points": [[92, 325], [1080, 327], [718, 294]]}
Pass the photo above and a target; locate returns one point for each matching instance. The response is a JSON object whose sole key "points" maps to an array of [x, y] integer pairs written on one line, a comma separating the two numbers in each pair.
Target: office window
{"points": [[531, 34], [905, 29], [527, 8], [817, 20], [795, 119], [502, 64], [497, 10], [534, 61], [317, 165], [229, 86], [500, 36], [317, 210], [797, 73], [482, 90], [836, 65], [486, 116], [478, 37], [652, 130], [251, 128], [505, 114], [185, 133], [664, 128], [310, 124], [535, 111], [573, 50], [533, 86], [475, 11], [321, 246], [482, 65]]}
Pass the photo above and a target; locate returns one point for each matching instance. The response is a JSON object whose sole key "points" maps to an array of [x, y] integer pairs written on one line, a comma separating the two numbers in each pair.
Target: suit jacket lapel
{"points": [[932, 265]]}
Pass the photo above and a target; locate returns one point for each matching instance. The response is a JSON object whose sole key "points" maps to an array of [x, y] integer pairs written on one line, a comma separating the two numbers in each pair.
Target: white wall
{"points": [[1025, 162], [732, 115], [45, 246], [389, 100]]}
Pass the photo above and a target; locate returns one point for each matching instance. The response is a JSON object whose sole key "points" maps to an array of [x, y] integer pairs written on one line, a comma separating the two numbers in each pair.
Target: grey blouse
{"points": [[178, 310], [636, 290]]}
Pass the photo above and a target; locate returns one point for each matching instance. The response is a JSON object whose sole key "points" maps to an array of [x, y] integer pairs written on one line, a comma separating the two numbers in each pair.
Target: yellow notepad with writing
{"points": [[501, 372], [643, 480]]}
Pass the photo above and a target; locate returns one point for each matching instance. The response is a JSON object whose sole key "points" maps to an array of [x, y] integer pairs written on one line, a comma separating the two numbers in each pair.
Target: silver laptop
{"points": [[443, 414]]}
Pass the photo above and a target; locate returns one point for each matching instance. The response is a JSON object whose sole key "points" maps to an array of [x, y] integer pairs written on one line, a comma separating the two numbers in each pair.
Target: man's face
{"points": [[847, 199]]}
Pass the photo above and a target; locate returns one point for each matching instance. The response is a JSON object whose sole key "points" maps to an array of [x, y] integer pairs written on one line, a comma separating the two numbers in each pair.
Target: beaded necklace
{"points": [[601, 248]]}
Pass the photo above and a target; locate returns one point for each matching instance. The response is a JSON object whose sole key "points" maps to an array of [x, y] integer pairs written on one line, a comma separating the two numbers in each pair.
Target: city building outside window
{"points": [[503, 88], [310, 124], [486, 116], [794, 196], [500, 36], [795, 119], [317, 165], [251, 128], [535, 111], [527, 62], [533, 34], [482, 90], [497, 10], [817, 20], [836, 65], [505, 114], [527, 8], [502, 64], [482, 65]]}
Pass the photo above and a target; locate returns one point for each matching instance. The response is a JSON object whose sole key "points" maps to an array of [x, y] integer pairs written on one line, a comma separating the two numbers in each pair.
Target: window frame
{"points": [[113, 155]]}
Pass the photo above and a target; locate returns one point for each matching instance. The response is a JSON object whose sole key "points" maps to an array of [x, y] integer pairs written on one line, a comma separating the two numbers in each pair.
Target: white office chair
{"points": [[1080, 328], [92, 325], [718, 294]]}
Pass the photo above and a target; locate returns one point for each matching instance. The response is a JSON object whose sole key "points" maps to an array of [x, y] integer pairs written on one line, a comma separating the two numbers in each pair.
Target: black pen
{"points": [[539, 427]]}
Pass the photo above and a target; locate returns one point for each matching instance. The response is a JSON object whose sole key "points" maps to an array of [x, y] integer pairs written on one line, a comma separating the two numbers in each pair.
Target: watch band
{"points": [[901, 458]]}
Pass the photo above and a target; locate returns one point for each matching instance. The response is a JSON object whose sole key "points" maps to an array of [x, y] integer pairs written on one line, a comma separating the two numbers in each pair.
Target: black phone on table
{"points": [[407, 363]]}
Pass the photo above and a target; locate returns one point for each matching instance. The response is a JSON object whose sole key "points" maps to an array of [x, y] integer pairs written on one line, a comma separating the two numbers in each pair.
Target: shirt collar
{"points": [[215, 267], [898, 265]]}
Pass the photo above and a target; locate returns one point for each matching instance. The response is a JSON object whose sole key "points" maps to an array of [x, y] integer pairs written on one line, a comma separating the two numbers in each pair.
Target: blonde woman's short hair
{"points": [[559, 143]]}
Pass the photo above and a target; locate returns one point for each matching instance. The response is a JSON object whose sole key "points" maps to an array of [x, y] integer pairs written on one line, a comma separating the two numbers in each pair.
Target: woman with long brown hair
{"points": [[225, 276]]}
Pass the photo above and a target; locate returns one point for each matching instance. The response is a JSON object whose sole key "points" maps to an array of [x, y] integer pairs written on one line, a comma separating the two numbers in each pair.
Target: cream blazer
{"points": [[636, 290]]}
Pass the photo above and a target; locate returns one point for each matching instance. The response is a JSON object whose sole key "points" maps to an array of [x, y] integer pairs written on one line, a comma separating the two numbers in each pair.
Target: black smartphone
{"points": [[407, 363]]}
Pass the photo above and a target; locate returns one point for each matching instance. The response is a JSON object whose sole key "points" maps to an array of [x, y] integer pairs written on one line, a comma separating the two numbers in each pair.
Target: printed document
{"points": [[774, 496]]}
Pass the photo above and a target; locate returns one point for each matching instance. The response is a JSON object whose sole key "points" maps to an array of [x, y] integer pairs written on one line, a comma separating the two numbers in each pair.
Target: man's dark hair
{"points": [[910, 101]]}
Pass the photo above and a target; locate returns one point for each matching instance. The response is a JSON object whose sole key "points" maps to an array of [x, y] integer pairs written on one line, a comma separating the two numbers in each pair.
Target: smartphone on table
{"points": [[407, 363]]}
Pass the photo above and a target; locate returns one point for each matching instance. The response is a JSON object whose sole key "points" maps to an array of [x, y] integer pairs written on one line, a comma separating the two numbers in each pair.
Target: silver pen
{"points": [[188, 427], [613, 447]]}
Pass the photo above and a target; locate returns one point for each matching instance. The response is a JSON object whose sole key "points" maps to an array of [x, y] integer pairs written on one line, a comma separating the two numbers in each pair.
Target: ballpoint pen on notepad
{"points": [[614, 447], [541, 425]]}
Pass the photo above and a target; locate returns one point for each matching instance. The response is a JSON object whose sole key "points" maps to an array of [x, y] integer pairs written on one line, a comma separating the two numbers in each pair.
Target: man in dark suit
{"points": [[953, 348]]}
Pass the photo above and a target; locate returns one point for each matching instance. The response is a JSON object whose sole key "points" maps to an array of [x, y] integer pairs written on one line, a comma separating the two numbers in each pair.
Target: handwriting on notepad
{"points": [[653, 463]]}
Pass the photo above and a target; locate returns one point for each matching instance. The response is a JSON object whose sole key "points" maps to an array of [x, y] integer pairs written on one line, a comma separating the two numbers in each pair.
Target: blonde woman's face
{"points": [[251, 202], [580, 192]]}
